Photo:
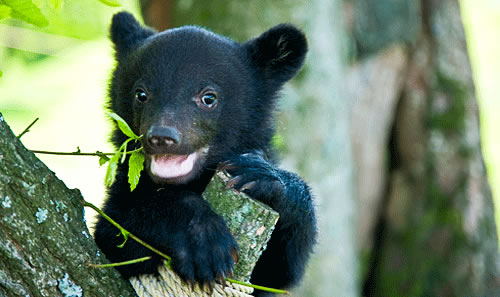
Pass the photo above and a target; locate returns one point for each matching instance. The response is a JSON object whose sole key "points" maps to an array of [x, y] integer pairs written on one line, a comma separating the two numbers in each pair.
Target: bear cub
{"points": [[203, 102]]}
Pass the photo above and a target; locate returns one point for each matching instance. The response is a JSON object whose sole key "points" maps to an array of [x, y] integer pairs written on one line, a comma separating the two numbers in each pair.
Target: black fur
{"points": [[171, 71]]}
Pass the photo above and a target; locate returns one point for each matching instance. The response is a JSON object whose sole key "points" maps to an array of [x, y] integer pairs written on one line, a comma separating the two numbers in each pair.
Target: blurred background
{"points": [[367, 63], [59, 73]]}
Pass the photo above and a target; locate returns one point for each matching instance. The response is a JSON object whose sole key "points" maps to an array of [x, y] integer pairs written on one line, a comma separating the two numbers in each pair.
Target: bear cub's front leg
{"points": [[182, 225], [283, 263], [202, 248]]}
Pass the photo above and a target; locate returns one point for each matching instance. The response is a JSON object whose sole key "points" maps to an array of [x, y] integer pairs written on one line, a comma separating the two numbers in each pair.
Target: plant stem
{"points": [[96, 154], [272, 290], [27, 129], [120, 263], [124, 148], [71, 154], [124, 231], [127, 233]]}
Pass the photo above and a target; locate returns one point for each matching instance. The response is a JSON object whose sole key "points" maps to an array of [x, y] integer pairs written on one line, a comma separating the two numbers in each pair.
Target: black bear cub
{"points": [[204, 102]]}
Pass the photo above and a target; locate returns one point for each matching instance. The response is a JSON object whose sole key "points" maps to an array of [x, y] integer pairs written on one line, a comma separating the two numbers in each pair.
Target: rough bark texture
{"points": [[430, 229], [45, 246], [252, 222], [373, 116]]}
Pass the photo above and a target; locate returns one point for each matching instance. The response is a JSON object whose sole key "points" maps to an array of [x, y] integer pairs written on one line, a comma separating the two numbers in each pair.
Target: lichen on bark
{"points": [[44, 242], [250, 221]]}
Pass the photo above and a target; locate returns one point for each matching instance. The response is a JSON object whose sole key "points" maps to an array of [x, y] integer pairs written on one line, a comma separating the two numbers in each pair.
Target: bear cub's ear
{"points": [[279, 52], [126, 33]]}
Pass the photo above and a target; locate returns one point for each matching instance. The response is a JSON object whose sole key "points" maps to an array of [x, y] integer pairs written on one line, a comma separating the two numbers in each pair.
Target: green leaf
{"points": [[124, 127], [4, 11], [57, 4], [1, 73], [27, 11], [103, 159], [110, 177], [135, 166], [111, 3]]}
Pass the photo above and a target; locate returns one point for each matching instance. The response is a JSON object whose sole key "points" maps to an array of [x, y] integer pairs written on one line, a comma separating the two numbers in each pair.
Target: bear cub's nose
{"points": [[163, 137]]}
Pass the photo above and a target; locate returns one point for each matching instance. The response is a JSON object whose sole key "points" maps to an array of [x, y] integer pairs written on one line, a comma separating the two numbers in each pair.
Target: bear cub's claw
{"points": [[254, 176]]}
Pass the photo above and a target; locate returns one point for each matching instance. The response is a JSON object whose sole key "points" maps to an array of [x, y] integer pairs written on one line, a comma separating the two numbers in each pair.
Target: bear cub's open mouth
{"points": [[171, 166]]}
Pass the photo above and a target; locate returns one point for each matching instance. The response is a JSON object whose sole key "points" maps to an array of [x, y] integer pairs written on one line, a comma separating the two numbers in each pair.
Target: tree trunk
{"points": [[427, 218], [45, 246]]}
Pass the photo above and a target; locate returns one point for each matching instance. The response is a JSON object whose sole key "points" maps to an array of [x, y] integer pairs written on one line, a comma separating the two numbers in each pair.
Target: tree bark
{"points": [[45, 246], [250, 221], [428, 227]]}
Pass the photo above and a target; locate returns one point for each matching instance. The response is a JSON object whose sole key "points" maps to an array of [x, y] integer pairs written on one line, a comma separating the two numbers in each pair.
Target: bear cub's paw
{"points": [[205, 252], [253, 175]]}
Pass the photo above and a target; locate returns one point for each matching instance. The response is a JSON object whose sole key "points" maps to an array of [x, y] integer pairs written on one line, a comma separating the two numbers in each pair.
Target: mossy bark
{"points": [[250, 221], [435, 234], [45, 246]]}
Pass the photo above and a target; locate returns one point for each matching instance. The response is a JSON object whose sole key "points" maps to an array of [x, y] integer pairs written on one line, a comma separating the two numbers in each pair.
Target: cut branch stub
{"points": [[251, 222]]}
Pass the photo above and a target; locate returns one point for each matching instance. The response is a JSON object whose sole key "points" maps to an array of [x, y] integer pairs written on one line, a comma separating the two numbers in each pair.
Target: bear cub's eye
{"points": [[207, 99], [141, 95]]}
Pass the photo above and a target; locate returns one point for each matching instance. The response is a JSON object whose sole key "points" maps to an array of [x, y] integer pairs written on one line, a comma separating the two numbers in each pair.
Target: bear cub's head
{"points": [[198, 97]]}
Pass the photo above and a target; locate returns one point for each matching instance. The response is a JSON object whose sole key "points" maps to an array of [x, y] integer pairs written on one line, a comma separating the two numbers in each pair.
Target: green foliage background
{"points": [[59, 72], [56, 60]]}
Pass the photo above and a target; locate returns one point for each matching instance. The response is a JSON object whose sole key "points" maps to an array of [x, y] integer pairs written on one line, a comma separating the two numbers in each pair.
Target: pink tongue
{"points": [[170, 159], [170, 166]]}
